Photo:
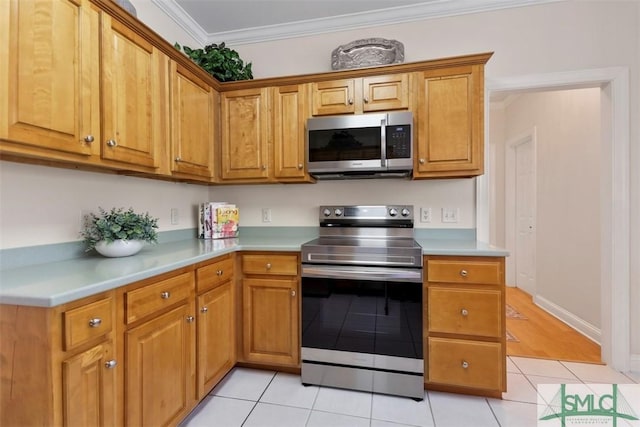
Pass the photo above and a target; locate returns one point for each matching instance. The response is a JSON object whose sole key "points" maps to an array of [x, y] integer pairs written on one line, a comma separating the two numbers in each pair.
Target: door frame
{"points": [[614, 194], [510, 206]]}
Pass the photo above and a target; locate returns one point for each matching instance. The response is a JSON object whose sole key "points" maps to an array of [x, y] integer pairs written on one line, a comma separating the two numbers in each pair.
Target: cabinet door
{"points": [[49, 80], [450, 123], [89, 387], [270, 321], [334, 97], [216, 336], [133, 73], [159, 380], [245, 134], [382, 93], [289, 122], [192, 124]]}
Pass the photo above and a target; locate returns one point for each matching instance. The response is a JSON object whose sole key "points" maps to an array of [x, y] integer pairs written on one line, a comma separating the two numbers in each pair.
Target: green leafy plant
{"points": [[118, 224], [221, 62]]}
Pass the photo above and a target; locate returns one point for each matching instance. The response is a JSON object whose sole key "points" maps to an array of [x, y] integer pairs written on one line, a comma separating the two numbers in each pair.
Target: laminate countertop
{"points": [[53, 283]]}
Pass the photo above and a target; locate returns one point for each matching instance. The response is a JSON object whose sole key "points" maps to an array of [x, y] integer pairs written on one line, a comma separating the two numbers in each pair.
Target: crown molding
{"points": [[392, 15]]}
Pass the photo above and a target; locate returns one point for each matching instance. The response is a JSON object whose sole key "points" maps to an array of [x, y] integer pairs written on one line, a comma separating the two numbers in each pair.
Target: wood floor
{"points": [[543, 336]]}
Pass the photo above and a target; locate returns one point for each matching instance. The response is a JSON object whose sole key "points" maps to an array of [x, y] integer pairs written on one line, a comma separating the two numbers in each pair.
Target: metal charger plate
{"points": [[367, 53]]}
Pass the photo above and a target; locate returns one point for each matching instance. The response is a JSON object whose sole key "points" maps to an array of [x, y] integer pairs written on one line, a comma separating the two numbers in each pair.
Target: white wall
{"points": [[567, 253]]}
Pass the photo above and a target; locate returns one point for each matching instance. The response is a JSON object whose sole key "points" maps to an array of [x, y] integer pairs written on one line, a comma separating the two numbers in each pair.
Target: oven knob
{"points": [[338, 212], [405, 212], [393, 212], [326, 212]]}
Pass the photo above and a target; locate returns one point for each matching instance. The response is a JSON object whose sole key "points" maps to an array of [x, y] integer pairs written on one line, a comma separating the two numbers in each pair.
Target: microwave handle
{"points": [[383, 141]]}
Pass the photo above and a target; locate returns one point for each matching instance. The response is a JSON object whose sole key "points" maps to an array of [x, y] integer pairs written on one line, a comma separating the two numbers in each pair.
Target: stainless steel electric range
{"points": [[362, 301]]}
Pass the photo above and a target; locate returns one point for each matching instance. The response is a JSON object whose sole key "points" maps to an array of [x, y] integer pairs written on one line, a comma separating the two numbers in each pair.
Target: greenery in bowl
{"points": [[119, 224], [221, 62]]}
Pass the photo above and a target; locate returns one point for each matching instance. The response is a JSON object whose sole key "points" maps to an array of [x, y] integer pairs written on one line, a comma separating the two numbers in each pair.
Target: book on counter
{"points": [[218, 220]]}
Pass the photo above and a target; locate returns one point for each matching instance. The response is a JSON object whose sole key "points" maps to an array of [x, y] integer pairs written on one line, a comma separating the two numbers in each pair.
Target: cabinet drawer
{"points": [[466, 363], [464, 271], [270, 264], [143, 301], [213, 275], [465, 311], [87, 322]]}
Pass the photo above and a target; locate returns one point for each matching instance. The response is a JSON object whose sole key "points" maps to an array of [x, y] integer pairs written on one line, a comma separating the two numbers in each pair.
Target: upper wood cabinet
{"points": [[49, 81], [361, 95], [192, 124], [245, 131], [134, 75], [290, 113], [450, 122]]}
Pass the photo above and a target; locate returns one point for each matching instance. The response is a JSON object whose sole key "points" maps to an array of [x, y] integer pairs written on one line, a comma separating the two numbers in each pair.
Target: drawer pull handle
{"points": [[110, 364], [89, 138], [219, 273], [165, 295], [464, 312], [190, 319], [268, 266], [204, 310], [94, 323], [464, 273], [465, 364]]}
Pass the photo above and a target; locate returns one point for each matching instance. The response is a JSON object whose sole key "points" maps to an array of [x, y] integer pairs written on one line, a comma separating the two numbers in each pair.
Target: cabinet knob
{"points": [[300, 166], [178, 159], [350, 101], [464, 312], [112, 143], [366, 100], [204, 309], [293, 292], [95, 322], [165, 295], [190, 319], [268, 266], [219, 273], [464, 273], [264, 168], [421, 161], [110, 364], [88, 138], [465, 364]]}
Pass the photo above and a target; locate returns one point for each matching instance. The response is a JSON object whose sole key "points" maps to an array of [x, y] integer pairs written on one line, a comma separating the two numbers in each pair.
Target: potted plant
{"points": [[221, 62], [119, 232]]}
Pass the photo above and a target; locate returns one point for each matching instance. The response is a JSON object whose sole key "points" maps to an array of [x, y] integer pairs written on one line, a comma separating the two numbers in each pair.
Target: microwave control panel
{"points": [[399, 141]]}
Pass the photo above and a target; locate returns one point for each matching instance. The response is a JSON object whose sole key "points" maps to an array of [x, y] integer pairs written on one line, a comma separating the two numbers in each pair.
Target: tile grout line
{"points": [[259, 397]]}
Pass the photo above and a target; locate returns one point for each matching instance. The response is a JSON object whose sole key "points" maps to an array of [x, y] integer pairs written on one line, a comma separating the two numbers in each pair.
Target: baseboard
{"points": [[634, 363], [585, 328]]}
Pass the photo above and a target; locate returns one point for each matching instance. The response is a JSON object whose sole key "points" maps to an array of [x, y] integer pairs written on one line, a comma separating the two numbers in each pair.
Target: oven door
{"points": [[362, 310]]}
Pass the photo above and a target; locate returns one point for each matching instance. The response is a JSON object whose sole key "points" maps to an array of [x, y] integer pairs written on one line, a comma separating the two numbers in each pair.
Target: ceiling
{"points": [[249, 21]]}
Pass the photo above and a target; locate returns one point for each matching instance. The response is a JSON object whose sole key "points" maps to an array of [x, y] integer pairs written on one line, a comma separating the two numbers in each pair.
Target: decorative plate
{"points": [[367, 53]]}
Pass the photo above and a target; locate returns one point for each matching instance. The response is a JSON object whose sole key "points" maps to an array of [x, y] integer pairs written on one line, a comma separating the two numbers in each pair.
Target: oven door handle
{"points": [[378, 274]]}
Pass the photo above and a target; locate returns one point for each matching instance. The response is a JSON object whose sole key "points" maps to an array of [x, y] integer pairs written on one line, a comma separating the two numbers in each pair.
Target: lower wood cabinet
{"points": [[270, 309], [464, 324]]}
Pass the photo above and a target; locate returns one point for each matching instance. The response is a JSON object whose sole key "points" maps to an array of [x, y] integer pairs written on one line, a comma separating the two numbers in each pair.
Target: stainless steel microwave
{"points": [[360, 146]]}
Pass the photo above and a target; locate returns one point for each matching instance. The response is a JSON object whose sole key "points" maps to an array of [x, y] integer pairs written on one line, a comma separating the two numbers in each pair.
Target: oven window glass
{"points": [[362, 316], [345, 144]]}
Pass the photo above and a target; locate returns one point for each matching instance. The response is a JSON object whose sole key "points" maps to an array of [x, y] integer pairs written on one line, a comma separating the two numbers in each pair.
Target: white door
{"points": [[525, 198]]}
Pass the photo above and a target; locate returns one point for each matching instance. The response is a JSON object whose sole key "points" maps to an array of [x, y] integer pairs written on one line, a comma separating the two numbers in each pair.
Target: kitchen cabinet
{"points": [[290, 113], [465, 325], [216, 326], [361, 95], [192, 123], [245, 133], [49, 80], [58, 365], [450, 121], [133, 82], [270, 309], [158, 318]]}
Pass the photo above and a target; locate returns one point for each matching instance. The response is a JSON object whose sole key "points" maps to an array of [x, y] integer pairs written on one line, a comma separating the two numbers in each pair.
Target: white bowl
{"points": [[119, 248]]}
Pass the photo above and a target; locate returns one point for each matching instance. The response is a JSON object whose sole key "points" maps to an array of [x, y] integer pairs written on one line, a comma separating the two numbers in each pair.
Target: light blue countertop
{"points": [[53, 283]]}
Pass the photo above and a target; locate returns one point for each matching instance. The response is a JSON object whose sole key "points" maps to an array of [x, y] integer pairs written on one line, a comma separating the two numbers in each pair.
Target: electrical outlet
{"points": [[266, 215], [425, 214], [450, 214], [174, 216]]}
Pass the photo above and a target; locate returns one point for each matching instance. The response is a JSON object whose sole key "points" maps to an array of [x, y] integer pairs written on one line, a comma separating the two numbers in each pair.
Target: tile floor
{"points": [[251, 398]]}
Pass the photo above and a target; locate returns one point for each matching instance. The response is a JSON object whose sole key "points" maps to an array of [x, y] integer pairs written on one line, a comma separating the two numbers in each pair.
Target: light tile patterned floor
{"points": [[252, 398]]}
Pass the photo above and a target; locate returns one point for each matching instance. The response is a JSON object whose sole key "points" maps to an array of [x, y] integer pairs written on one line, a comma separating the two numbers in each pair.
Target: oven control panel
{"points": [[377, 212]]}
